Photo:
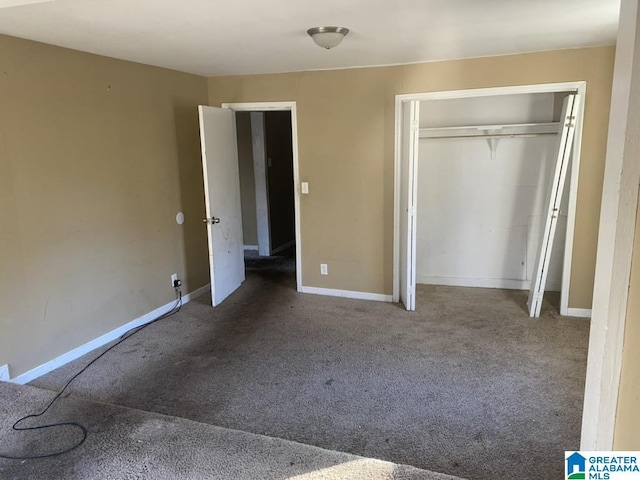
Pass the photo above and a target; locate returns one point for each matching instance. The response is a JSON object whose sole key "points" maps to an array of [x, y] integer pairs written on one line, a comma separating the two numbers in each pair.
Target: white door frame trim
{"points": [[579, 87], [290, 107], [615, 245]]}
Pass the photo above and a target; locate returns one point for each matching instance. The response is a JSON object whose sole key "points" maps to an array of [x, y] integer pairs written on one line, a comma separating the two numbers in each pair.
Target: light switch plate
{"points": [[4, 373], [305, 187]]}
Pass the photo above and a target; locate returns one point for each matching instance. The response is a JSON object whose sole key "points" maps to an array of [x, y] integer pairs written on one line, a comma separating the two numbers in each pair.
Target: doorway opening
{"points": [[267, 189], [222, 190]]}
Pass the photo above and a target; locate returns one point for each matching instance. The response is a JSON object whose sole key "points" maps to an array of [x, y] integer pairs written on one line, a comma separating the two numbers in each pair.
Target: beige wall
{"points": [[346, 148], [96, 158], [627, 436], [247, 180]]}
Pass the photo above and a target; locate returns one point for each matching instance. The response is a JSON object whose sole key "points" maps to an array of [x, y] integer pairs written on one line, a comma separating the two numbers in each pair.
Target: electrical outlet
{"points": [[323, 269], [4, 373], [174, 279]]}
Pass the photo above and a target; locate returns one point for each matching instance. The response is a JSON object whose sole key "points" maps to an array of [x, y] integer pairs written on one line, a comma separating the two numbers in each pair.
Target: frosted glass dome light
{"points": [[327, 37]]}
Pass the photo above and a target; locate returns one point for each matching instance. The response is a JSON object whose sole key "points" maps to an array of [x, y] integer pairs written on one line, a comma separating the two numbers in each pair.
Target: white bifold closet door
{"points": [[410, 141], [570, 108]]}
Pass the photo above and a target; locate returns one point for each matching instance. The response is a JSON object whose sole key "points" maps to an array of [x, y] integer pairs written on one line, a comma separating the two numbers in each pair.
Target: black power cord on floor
{"points": [[175, 309]]}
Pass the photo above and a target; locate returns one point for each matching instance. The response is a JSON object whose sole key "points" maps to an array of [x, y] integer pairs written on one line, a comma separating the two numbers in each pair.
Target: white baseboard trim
{"points": [[196, 293], [4, 373], [551, 286], [103, 339], [330, 292], [579, 312], [283, 247], [251, 247]]}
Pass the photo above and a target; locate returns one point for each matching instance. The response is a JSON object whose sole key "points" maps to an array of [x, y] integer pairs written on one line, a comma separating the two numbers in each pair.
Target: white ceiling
{"points": [[222, 37]]}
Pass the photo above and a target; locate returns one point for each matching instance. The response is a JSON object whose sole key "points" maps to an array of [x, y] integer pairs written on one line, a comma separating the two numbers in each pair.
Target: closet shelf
{"points": [[492, 131]]}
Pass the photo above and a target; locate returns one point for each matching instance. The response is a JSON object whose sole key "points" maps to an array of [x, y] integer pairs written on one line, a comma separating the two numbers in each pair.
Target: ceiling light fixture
{"points": [[327, 37]]}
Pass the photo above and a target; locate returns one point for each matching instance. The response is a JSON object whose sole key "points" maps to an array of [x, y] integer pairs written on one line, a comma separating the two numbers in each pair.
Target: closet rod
{"points": [[497, 135]]}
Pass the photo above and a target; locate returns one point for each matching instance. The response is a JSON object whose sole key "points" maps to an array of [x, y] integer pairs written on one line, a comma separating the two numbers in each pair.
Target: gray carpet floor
{"points": [[131, 444], [282, 262], [467, 385]]}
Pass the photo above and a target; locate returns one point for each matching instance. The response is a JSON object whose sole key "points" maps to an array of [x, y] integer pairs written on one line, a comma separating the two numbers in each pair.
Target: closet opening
{"points": [[486, 189]]}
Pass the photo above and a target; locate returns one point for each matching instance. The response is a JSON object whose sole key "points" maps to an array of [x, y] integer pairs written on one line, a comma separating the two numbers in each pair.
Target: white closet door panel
{"points": [[570, 111], [408, 192]]}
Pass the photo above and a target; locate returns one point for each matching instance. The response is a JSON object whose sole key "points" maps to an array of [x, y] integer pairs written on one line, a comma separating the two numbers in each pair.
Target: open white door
{"points": [[408, 195], [222, 200], [570, 108]]}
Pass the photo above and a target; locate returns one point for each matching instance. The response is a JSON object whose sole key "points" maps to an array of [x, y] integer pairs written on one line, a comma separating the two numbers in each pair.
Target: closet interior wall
{"points": [[482, 192]]}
